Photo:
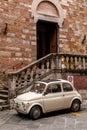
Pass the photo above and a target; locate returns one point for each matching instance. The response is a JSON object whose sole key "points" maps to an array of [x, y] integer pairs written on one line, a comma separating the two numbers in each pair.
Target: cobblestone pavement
{"points": [[61, 120]]}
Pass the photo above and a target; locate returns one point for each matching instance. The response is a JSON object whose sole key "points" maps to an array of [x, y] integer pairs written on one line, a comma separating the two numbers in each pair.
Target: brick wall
{"points": [[74, 27], [16, 41], [18, 31], [80, 82]]}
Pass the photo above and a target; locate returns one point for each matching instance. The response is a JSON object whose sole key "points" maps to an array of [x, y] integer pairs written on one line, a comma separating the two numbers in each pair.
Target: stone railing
{"points": [[75, 63], [24, 77], [52, 63]]}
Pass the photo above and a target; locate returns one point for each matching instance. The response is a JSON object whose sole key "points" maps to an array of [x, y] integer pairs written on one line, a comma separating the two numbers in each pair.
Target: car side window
{"points": [[67, 87], [54, 88]]}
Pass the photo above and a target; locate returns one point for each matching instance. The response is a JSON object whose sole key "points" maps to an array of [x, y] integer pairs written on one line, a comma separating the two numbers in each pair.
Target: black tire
{"points": [[75, 106], [35, 113]]}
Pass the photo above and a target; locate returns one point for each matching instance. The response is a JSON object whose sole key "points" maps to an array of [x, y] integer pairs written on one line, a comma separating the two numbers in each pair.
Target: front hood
{"points": [[28, 96]]}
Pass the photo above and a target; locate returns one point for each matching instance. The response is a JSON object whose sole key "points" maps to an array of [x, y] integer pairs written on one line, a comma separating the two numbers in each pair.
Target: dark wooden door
{"points": [[46, 38]]}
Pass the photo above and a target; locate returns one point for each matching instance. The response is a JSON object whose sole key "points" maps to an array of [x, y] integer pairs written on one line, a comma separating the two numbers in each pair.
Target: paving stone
{"points": [[61, 120]]}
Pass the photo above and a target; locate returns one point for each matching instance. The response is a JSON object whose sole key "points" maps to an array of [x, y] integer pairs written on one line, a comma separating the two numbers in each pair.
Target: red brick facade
{"points": [[80, 82], [18, 19]]}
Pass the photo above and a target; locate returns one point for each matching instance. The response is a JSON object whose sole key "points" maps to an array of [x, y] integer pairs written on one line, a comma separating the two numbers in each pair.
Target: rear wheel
{"points": [[35, 113], [75, 106]]}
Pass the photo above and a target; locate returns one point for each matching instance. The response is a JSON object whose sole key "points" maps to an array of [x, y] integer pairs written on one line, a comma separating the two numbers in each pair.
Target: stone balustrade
{"points": [[52, 63], [72, 62]]}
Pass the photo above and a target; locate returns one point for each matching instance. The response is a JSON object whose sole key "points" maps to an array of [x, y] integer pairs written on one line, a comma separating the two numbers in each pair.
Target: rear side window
{"points": [[67, 87], [54, 88]]}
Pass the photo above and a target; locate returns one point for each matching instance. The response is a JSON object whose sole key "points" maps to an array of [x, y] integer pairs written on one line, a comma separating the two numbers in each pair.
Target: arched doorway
{"points": [[48, 16], [47, 33]]}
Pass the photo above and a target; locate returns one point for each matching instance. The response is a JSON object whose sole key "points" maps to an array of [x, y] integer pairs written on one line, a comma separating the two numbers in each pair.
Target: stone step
{"points": [[3, 107], [3, 96], [2, 101], [6, 88], [3, 91]]}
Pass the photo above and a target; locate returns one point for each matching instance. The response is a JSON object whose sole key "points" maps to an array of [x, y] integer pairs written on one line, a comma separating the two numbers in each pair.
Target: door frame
{"points": [[44, 30]]}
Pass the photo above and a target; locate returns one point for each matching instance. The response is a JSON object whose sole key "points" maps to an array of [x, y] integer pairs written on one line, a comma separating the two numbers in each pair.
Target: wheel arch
{"points": [[76, 98], [36, 105]]}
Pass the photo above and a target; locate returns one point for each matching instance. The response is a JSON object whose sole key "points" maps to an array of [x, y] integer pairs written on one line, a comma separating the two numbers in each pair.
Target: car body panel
{"points": [[53, 102], [29, 96], [69, 97]]}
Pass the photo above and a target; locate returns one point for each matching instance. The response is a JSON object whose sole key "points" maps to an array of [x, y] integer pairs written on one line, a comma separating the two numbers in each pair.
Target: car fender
{"points": [[33, 105], [75, 98]]}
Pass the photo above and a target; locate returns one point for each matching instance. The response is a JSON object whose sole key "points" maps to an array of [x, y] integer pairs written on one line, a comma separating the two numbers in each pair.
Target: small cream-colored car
{"points": [[47, 96]]}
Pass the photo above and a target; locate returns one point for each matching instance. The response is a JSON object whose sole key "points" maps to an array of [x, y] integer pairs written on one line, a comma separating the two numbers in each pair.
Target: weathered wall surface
{"points": [[74, 27], [17, 45], [80, 82], [18, 31]]}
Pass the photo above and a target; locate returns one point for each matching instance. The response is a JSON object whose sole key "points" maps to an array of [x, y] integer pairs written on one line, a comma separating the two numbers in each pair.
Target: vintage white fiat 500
{"points": [[46, 96]]}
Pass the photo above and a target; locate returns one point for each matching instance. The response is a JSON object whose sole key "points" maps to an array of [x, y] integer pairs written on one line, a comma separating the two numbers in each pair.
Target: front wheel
{"points": [[35, 112], [75, 106]]}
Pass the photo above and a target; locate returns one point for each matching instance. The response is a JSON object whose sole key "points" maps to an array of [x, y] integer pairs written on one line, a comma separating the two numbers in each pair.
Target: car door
{"points": [[68, 93], [53, 99]]}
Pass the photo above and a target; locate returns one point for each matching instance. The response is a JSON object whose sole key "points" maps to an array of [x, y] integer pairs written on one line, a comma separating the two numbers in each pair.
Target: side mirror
{"points": [[45, 93]]}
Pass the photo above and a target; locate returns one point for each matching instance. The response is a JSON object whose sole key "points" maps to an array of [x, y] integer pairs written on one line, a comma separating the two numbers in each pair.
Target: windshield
{"points": [[38, 87]]}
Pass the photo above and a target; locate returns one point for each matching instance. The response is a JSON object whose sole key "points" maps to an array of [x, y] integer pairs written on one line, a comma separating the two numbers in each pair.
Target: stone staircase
{"points": [[51, 66], [4, 104]]}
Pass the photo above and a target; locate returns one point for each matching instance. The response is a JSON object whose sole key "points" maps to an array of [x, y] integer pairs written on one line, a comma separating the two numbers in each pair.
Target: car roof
{"points": [[52, 80]]}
